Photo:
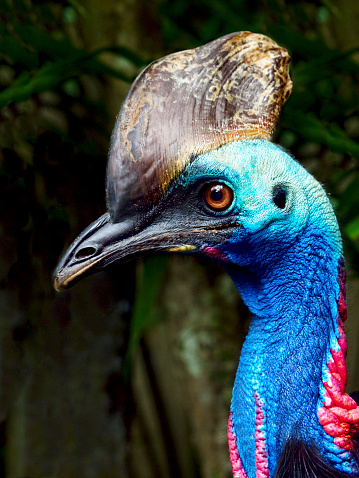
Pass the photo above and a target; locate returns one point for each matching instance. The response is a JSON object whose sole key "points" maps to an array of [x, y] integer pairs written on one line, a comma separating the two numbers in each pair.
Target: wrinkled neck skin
{"points": [[287, 358]]}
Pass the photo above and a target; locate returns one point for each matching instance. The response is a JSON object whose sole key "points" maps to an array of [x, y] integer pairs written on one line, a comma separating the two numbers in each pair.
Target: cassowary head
{"points": [[183, 154]]}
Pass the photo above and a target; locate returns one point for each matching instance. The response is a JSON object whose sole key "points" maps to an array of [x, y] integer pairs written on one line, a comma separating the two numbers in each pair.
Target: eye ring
{"points": [[218, 196]]}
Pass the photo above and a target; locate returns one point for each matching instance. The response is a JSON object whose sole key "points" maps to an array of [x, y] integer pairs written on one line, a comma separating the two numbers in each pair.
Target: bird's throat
{"points": [[291, 378]]}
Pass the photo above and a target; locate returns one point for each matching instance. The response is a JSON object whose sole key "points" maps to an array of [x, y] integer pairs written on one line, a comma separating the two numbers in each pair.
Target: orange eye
{"points": [[218, 196]]}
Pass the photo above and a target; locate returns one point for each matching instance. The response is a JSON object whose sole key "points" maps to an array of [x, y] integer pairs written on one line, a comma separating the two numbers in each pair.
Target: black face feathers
{"points": [[303, 460]]}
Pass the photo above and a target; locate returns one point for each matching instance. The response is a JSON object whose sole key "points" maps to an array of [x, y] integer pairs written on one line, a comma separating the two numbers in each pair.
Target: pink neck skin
{"points": [[261, 456], [339, 414]]}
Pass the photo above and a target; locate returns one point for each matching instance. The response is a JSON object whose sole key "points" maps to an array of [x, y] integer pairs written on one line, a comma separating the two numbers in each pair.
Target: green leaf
{"points": [[149, 280], [349, 198], [331, 63], [352, 230], [312, 129], [16, 53], [61, 61], [52, 74], [44, 43], [126, 53]]}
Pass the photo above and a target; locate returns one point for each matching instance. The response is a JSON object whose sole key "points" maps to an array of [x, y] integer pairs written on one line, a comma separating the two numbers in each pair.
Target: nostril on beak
{"points": [[85, 252]]}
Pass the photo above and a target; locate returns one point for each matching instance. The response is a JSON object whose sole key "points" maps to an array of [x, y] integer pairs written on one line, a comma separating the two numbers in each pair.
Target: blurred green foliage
{"points": [[150, 276], [42, 61], [38, 55], [42, 69]]}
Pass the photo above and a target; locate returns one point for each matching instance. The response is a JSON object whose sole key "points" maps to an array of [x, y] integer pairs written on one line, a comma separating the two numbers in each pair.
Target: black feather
{"points": [[355, 395], [355, 450], [303, 460]]}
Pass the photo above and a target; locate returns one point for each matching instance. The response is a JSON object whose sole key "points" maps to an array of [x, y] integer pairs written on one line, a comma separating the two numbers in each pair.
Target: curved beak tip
{"points": [[59, 282], [57, 285]]}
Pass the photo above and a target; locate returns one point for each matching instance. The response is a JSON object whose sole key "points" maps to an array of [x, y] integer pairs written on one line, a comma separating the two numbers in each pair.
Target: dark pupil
{"points": [[216, 193], [279, 197]]}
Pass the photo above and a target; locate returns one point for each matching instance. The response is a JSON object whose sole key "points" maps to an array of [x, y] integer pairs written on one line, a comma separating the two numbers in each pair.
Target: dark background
{"points": [[128, 374]]}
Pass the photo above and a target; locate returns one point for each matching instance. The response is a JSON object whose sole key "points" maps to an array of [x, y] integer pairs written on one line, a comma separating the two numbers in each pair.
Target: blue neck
{"points": [[284, 262], [294, 303]]}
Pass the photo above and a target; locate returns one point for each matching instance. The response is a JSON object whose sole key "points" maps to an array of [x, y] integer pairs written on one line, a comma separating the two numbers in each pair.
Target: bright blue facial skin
{"points": [[284, 262]]}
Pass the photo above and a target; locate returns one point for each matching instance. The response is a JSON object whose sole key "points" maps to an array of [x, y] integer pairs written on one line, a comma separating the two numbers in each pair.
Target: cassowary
{"points": [[192, 170]]}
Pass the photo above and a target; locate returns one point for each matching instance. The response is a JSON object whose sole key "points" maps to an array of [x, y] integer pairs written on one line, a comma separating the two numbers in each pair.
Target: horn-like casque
{"points": [[189, 103]]}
